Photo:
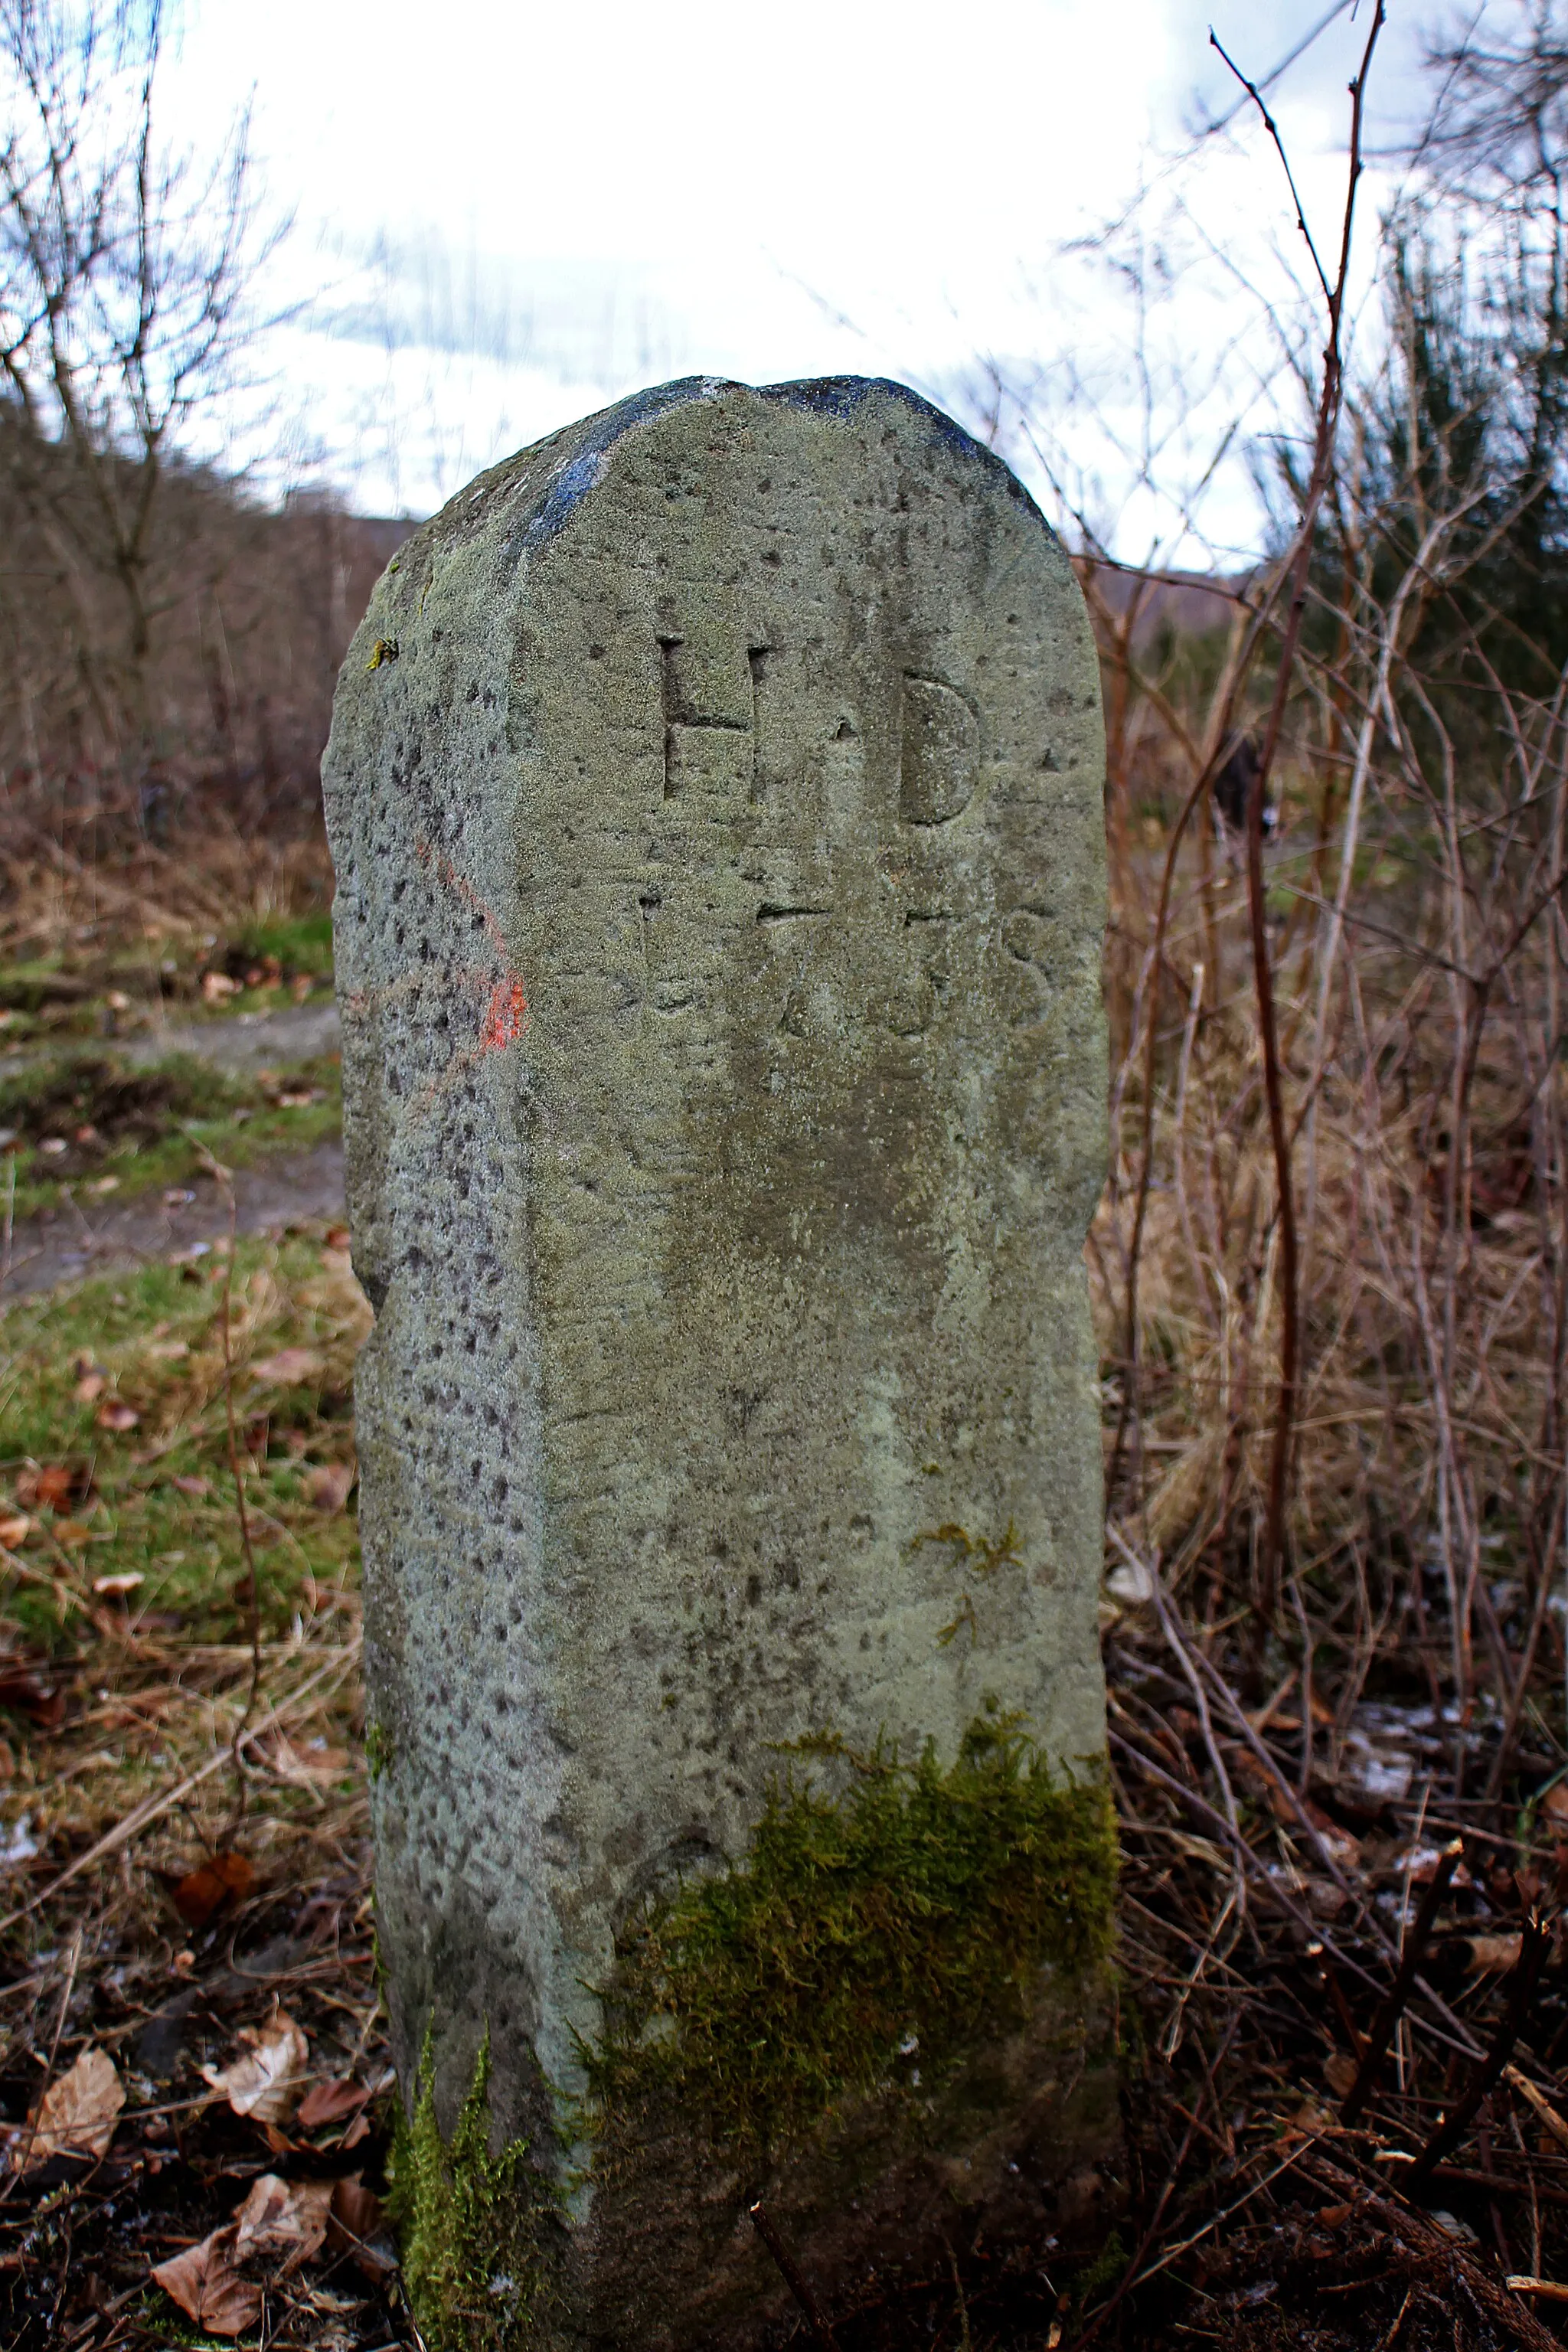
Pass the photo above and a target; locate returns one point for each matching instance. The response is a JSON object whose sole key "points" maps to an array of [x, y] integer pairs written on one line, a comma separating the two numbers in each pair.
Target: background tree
{"points": [[127, 272]]}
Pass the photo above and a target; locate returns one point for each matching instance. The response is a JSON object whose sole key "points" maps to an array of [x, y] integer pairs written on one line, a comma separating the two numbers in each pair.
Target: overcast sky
{"points": [[507, 214]]}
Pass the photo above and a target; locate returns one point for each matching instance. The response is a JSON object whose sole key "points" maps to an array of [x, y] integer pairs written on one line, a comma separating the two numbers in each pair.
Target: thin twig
{"points": [[254, 1609], [1437, 2245], [816, 2319], [150, 1808]]}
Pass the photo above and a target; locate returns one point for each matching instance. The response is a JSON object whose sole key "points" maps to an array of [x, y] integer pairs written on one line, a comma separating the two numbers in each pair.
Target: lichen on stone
{"points": [[471, 2224], [866, 1938]]}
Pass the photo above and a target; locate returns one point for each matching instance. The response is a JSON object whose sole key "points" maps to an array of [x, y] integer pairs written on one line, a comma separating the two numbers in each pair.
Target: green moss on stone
{"points": [[471, 2224], [1102, 2274], [863, 1938], [379, 1750]]}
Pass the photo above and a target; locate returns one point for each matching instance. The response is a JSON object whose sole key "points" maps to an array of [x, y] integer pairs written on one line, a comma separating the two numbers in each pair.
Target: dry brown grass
{"points": [[1419, 970], [1289, 1762]]}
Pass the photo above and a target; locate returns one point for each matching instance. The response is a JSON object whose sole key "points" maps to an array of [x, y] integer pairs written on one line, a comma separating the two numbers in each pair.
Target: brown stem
{"points": [[1508, 2314], [816, 2318], [1132, 2276], [1391, 2006], [1523, 1977], [1263, 972]]}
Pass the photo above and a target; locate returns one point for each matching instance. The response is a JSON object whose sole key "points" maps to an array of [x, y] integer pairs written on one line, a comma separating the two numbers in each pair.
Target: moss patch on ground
{"points": [[471, 2224], [95, 1124], [298, 944], [862, 1938]]}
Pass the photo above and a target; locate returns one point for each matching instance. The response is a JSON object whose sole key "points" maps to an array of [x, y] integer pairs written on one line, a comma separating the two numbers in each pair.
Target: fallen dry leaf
{"points": [[329, 1487], [14, 1531], [1554, 1804], [314, 1763], [115, 1588], [290, 1367], [355, 2226], [116, 1414], [197, 1489], [203, 1892], [71, 1531], [22, 1687], [167, 1351], [208, 2287], [1492, 1952], [75, 2116], [329, 2102], [90, 1388], [54, 1488], [1290, 1808], [283, 2217], [1339, 2072], [266, 2080]]}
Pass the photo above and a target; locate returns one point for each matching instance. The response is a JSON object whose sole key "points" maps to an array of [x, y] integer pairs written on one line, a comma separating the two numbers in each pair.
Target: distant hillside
{"points": [[1187, 604], [251, 610]]}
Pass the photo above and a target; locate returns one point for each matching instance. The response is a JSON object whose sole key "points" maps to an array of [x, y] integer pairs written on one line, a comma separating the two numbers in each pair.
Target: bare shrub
{"points": [[1402, 931]]}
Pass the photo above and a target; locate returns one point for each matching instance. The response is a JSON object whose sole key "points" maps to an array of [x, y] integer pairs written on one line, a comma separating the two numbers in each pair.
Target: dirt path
{"points": [[60, 1246], [248, 1041], [64, 1243]]}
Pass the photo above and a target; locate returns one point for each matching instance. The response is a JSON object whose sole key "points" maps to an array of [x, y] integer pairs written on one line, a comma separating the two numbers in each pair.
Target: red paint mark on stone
{"points": [[506, 1018]]}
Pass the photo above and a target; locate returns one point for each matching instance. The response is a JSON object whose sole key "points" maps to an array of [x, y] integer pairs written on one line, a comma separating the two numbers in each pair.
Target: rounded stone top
{"points": [[835, 399], [543, 489]]}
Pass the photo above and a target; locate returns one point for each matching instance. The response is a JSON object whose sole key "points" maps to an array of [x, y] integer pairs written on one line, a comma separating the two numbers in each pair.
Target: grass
{"points": [[297, 944], [91, 1123], [1425, 1532], [154, 1500], [126, 1681]]}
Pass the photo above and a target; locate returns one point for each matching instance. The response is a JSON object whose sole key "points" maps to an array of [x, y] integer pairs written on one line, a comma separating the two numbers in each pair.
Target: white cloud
{"points": [[507, 215]]}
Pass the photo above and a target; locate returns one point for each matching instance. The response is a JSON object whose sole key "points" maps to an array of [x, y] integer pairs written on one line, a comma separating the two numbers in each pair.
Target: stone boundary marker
{"points": [[715, 790]]}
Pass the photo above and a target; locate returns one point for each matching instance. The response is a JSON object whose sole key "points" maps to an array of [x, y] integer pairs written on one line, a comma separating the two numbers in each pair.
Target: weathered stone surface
{"points": [[716, 796]]}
